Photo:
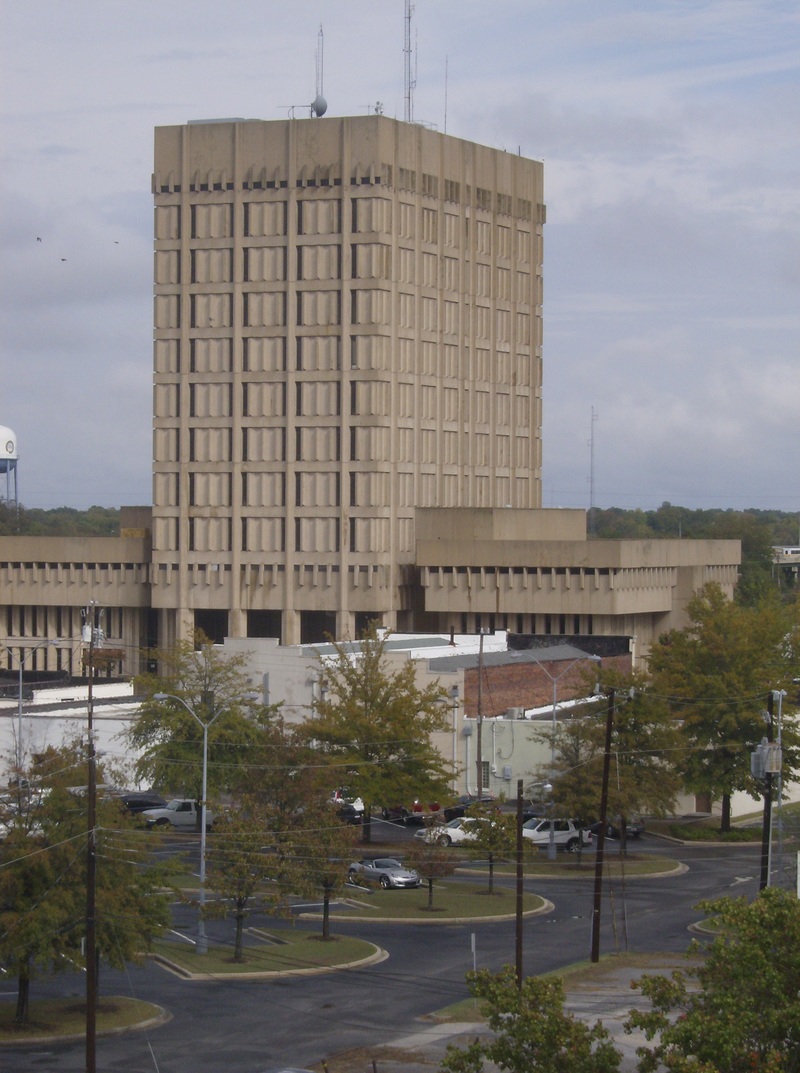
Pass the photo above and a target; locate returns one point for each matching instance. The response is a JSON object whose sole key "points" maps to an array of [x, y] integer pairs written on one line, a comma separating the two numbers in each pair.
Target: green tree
{"points": [[715, 676], [644, 741], [755, 573], [495, 836], [169, 739], [238, 868], [33, 917], [43, 878], [532, 1032], [374, 724], [745, 1016], [432, 861], [322, 850]]}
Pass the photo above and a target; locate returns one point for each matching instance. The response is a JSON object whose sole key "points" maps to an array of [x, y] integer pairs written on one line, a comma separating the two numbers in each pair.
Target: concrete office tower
{"points": [[347, 328]]}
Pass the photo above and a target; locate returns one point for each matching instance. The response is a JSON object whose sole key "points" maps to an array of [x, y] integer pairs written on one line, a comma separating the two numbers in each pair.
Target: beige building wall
{"points": [[46, 583], [347, 327], [532, 572]]}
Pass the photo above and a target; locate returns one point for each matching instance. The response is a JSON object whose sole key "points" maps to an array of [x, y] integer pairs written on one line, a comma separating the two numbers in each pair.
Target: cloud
{"points": [[672, 249]]}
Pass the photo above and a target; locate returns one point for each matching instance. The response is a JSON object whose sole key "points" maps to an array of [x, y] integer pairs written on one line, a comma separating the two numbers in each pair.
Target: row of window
{"points": [[484, 404], [474, 367], [368, 309], [485, 199], [369, 261], [367, 216]]}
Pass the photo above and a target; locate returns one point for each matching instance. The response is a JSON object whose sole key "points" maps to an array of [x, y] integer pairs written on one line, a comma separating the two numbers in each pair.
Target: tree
{"points": [[374, 724], [322, 850], [170, 740], [755, 573], [432, 861], [495, 836], [644, 741], [746, 1015], [238, 867], [43, 878], [532, 1032], [715, 675]]}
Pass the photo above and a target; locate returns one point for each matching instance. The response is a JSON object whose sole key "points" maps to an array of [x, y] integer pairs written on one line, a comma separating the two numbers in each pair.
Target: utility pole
{"points": [[520, 847], [601, 834], [767, 820], [91, 618], [479, 750]]}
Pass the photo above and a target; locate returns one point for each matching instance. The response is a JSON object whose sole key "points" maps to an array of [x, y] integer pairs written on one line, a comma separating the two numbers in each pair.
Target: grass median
{"points": [[49, 1018], [451, 902], [265, 952]]}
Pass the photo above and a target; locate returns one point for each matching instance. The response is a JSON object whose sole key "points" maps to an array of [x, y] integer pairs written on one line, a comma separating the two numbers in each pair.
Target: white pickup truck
{"points": [[180, 812]]}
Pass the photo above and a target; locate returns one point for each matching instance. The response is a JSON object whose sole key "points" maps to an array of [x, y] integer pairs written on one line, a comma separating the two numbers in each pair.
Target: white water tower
{"points": [[8, 463]]}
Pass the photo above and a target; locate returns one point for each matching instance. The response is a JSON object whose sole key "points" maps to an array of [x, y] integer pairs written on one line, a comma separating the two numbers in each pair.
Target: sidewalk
{"points": [[608, 999]]}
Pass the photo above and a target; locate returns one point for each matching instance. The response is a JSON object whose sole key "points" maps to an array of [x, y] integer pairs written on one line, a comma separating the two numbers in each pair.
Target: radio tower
{"points": [[591, 473], [409, 82]]}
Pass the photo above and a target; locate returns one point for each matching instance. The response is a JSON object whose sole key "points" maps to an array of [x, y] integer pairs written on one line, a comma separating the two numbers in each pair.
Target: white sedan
{"points": [[461, 829]]}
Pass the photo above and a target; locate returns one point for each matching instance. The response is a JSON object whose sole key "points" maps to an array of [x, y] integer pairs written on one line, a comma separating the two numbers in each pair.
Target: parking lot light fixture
{"points": [[49, 643], [202, 940]]}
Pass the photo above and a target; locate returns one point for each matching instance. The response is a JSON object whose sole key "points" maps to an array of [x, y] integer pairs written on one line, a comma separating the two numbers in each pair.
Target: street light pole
{"points": [[21, 660], [202, 941], [454, 698]]}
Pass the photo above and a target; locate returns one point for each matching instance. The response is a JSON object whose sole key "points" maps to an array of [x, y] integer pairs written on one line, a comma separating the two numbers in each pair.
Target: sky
{"points": [[670, 135]]}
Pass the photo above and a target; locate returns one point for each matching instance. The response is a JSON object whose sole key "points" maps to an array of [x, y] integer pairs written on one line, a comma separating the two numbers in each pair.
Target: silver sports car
{"points": [[387, 871]]}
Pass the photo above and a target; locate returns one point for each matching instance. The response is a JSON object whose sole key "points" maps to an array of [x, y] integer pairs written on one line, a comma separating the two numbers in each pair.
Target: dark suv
{"points": [[137, 801]]}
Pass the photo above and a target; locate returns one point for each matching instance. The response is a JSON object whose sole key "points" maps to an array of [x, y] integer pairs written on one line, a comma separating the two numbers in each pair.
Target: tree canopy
{"points": [[644, 743], [43, 878], [169, 738], [745, 1015], [532, 1031], [373, 725], [715, 676]]}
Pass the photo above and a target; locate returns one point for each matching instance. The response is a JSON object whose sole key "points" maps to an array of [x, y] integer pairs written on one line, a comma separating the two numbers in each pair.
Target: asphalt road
{"points": [[253, 1027]]}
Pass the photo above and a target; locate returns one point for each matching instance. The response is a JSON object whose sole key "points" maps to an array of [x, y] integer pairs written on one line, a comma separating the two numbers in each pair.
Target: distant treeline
{"points": [[777, 526], [774, 527], [60, 521]]}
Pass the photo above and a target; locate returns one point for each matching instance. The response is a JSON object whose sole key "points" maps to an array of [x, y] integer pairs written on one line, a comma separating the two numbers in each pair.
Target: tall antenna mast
{"points": [[319, 106], [445, 92], [320, 46], [409, 82], [591, 472]]}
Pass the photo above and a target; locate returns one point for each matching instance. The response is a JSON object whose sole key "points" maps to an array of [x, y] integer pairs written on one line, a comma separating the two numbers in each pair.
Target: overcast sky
{"points": [[669, 131]]}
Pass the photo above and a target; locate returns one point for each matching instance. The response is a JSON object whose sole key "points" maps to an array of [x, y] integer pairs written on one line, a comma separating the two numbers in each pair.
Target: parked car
{"points": [[135, 801], [413, 816], [461, 829], [350, 814], [342, 797], [180, 812], [566, 835], [464, 803], [634, 828], [387, 871], [534, 810]]}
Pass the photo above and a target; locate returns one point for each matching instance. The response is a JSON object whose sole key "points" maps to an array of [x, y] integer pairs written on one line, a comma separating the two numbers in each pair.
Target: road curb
{"points": [[161, 1018], [546, 907], [378, 955]]}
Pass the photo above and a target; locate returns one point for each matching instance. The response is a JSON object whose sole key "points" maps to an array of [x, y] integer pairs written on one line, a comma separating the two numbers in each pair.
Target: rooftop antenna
{"points": [[409, 82], [591, 473], [446, 58], [319, 105]]}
